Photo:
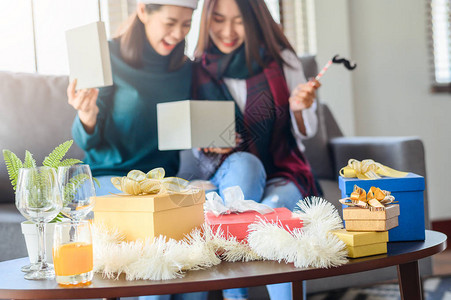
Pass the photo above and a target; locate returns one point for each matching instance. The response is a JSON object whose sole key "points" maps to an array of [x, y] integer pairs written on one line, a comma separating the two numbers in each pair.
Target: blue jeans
{"points": [[106, 187], [242, 169], [279, 192], [283, 290], [276, 291], [186, 296]]}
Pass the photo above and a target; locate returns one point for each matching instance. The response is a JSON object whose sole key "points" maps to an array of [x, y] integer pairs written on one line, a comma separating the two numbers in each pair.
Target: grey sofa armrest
{"points": [[400, 153]]}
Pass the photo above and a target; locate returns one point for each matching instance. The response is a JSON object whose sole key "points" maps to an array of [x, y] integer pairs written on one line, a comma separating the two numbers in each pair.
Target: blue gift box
{"points": [[408, 192]]}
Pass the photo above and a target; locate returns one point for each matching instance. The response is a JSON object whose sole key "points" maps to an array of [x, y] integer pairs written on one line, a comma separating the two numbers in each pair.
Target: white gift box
{"points": [[89, 56], [196, 124]]}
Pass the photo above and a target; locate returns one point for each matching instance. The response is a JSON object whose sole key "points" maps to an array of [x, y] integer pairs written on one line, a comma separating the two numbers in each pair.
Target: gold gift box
{"points": [[147, 216], [361, 243], [363, 219]]}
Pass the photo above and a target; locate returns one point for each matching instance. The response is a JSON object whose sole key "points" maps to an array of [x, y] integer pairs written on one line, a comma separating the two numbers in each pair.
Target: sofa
{"points": [[35, 116]]}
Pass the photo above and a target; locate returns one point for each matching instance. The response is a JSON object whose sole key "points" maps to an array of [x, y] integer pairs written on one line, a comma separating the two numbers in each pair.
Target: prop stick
{"points": [[336, 60]]}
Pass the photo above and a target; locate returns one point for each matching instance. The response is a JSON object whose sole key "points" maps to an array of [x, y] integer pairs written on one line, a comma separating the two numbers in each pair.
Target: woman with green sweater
{"points": [[116, 126]]}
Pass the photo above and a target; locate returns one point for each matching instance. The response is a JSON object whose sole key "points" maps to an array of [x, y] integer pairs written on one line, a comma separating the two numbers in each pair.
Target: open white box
{"points": [[196, 124], [89, 56]]}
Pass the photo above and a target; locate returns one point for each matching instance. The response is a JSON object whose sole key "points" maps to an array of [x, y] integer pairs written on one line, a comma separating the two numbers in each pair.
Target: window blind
{"points": [[298, 21], [439, 25]]}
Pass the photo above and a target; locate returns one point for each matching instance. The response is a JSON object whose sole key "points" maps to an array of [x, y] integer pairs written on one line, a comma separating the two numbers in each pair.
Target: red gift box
{"points": [[236, 224]]}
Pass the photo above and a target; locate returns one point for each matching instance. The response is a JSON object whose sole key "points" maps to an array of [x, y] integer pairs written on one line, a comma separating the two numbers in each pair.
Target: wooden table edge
{"points": [[257, 280]]}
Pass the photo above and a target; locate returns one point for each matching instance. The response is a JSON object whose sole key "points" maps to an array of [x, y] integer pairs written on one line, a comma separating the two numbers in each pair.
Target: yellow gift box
{"points": [[147, 216], [360, 243], [364, 219], [367, 250]]}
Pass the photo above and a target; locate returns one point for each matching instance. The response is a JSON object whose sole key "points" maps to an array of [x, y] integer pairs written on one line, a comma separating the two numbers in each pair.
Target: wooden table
{"points": [[404, 255]]}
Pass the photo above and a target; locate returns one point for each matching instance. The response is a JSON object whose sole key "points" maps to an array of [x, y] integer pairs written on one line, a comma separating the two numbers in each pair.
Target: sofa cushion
{"points": [[13, 245], [34, 116]]}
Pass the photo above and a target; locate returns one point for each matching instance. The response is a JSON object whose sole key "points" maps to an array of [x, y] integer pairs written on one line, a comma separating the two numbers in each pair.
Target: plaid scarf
{"points": [[265, 126]]}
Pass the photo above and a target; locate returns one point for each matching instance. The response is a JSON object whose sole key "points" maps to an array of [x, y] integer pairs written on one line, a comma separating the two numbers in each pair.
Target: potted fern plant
{"points": [[55, 159]]}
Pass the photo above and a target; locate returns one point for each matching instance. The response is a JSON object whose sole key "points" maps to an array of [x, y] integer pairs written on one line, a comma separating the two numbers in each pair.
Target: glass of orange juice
{"points": [[72, 253]]}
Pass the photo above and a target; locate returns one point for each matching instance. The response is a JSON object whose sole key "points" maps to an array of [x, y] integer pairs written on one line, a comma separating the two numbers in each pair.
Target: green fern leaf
{"points": [[54, 158], [70, 189], [58, 218], [13, 164], [69, 162], [96, 181], [29, 161]]}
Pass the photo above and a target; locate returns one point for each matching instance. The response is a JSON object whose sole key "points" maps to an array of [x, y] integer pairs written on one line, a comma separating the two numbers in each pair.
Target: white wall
{"points": [[388, 94], [333, 37]]}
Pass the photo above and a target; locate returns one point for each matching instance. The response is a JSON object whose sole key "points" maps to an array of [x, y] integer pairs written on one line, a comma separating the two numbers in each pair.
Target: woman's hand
{"points": [[303, 95], [84, 101], [217, 150]]}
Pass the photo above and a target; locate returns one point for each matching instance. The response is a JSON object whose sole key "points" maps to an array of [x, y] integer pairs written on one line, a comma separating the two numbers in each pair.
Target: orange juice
{"points": [[72, 259]]}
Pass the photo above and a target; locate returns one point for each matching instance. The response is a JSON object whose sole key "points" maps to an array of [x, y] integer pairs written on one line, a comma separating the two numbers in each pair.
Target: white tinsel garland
{"points": [[310, 246], [156, 259], [161, 258]]}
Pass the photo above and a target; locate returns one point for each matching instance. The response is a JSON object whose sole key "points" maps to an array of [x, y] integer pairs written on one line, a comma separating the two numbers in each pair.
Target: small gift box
{"points": [[360, 244], [408, 191], [365, 219], [236, 224]]}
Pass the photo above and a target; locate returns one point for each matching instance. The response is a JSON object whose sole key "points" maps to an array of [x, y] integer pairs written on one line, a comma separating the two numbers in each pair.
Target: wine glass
{"points": [[77, 191], [38, 199]]}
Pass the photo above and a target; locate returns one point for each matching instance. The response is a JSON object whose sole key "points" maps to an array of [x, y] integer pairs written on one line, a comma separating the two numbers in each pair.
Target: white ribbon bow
{"points": [[233, 203]]}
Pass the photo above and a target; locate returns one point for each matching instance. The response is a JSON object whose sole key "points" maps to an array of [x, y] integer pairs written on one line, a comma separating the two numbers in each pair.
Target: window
{"points": [[32, 33], [33, 40], [440, 44], [16, 36], [52, 18], [298, 20]]}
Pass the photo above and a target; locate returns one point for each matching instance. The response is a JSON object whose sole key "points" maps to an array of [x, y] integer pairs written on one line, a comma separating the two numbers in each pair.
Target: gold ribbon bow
{"points": [[368, 169], [375, 199], [137, 182]]}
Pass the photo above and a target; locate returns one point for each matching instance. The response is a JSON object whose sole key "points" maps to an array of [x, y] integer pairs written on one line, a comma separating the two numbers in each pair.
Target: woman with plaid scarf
{"points": [[243, 55]]}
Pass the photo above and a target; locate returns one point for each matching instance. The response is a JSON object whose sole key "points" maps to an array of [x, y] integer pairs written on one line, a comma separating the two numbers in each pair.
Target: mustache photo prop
{"points": [[336, 60]]}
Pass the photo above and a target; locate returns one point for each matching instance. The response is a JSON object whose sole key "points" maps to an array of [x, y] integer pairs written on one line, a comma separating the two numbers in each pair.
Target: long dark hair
{"points": [[260, 29], [132, 36]]}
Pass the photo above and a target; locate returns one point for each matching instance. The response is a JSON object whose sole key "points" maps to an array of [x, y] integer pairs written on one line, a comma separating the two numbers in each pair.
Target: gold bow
{"points": [[375, 199], [368, 169], [137, 182]]}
